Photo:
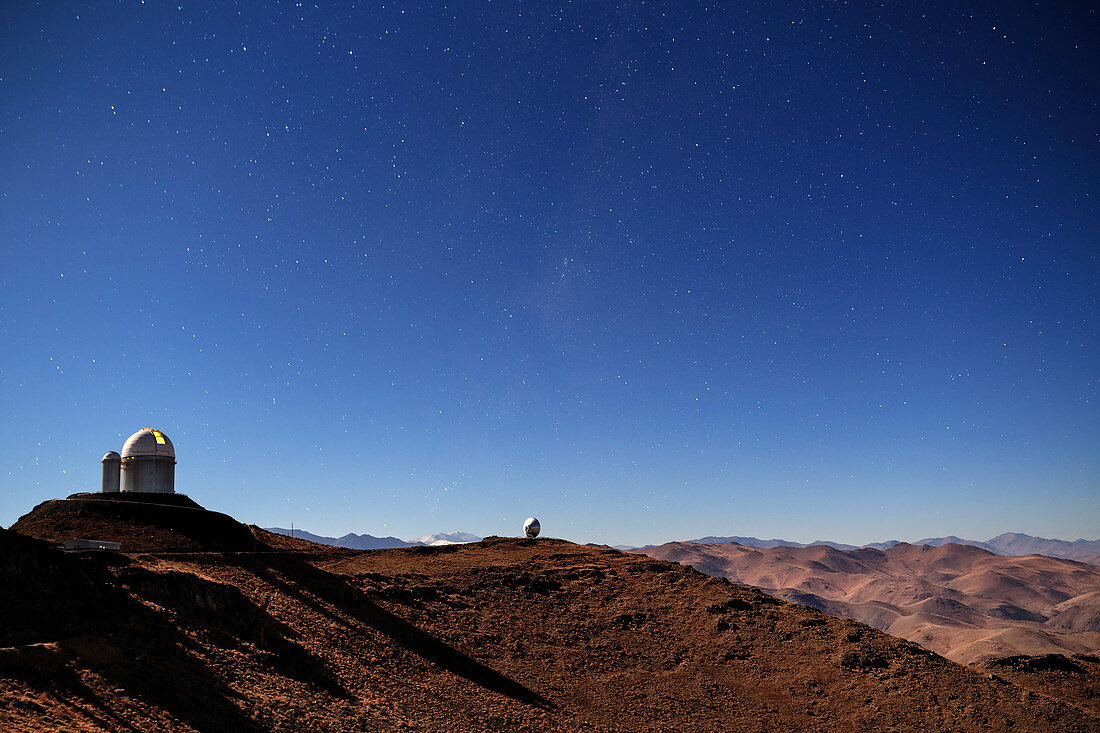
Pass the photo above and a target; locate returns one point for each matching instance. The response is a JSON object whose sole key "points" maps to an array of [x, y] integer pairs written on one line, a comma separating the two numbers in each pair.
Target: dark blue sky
{"points": [[647, 271]]}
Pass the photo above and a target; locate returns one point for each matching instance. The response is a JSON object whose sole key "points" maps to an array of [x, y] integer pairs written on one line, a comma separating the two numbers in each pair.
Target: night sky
{"points": [[647, 271]]}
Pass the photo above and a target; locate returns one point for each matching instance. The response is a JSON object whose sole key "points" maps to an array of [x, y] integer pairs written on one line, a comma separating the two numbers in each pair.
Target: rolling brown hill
{"points": [[960, 601], [161, 522], [503, 634]]}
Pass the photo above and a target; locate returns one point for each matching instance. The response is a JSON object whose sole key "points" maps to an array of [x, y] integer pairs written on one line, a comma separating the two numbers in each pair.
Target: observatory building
{"points": [[147, 465], [531, 528]]}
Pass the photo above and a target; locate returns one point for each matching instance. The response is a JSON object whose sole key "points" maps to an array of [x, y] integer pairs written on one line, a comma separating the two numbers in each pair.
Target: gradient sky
{"points": [[648, 271]]}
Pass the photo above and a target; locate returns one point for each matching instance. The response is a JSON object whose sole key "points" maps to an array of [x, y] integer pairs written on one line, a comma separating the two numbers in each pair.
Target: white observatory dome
{"points": [[148, 442], [531, 527], [148, 465], [112, 465]]}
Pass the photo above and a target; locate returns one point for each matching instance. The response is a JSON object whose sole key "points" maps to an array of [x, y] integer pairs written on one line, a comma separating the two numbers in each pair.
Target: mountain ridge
{"points": [[354, 541], [1007, 543]]}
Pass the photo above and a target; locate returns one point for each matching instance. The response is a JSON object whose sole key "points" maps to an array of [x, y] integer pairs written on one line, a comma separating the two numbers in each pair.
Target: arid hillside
{"points": [[504, 634], [960, 601]]}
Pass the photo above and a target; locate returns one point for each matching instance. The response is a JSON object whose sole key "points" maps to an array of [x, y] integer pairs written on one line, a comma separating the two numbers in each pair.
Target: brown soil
{"points": [[1075, 679], [503, 634]]}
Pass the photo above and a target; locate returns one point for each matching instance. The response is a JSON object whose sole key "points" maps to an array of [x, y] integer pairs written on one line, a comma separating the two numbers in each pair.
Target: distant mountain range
{"points": [[369, 542], [1009, 543], [965, 602]]}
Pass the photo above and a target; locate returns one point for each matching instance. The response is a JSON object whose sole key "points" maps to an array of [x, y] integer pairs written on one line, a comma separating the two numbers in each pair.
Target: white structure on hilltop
{"points": [[111, 471], [531, 527], [147, 465]]}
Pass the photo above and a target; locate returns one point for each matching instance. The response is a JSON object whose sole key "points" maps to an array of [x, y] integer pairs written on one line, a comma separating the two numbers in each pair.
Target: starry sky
{"points": [[648, 271]]}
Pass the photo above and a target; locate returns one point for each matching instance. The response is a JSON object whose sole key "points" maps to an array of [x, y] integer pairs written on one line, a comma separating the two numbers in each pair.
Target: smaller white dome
{"points": [[110, 456], [148, 442], [531, 527]]}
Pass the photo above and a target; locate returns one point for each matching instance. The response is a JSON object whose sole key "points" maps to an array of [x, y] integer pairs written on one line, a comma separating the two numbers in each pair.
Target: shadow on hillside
{"points": [[62, 597], [46, 672], [174, 680], [355, 603], [228, 618]]}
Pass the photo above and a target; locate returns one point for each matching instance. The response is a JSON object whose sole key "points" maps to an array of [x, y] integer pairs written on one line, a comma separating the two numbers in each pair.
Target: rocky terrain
{"points": [[272, 633], [958, 600]]}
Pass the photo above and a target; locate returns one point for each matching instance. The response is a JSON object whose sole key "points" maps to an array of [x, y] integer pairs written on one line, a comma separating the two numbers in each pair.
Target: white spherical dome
{"points": [[148, 442], [531, 527]]}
